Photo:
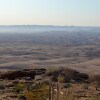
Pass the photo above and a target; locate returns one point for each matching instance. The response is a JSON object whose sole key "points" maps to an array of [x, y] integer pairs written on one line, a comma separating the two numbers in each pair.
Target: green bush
{"points": [[19, 87], [61, 79]]}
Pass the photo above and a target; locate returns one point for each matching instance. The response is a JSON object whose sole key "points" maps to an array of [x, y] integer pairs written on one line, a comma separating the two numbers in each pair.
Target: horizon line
{"points": [[51, 25]]}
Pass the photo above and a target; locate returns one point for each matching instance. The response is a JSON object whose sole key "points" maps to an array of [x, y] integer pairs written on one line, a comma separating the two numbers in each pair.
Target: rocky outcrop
{"points": [[68, 75], [24, 73]]}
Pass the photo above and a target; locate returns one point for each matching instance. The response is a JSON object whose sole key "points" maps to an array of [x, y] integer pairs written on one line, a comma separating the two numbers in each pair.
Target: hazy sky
{"points": [[50, 12]]}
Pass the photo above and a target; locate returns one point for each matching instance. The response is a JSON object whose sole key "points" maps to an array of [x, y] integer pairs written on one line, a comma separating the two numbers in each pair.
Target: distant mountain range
{"points": [[45, 28]]}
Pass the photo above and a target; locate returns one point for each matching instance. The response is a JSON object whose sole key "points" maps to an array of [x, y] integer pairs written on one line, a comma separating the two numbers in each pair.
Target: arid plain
{"points": [[78, 50]]}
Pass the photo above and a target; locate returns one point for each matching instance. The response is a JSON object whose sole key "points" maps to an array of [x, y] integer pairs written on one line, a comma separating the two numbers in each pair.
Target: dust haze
{"points": [[50, 47]]}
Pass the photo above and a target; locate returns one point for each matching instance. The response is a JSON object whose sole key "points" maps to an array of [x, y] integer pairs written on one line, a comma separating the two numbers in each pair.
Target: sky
{"points": [[50, 12]]}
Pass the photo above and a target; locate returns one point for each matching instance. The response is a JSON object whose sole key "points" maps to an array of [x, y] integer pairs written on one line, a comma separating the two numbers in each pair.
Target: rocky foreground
{"points": [[40, 84]]}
